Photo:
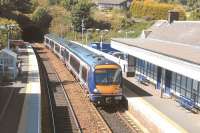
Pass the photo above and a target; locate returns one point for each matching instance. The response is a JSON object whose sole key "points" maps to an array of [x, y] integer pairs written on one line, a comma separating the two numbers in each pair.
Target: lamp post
{"points": [[86, 37], [127, 32], [82, 29], [102, 33], [72, 28], [61, 31], [10, 28]]}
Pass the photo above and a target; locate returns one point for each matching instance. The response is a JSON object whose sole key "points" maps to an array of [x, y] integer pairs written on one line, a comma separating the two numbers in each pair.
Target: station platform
{"points": [[21, 103], [30, 121], [158, 114]]}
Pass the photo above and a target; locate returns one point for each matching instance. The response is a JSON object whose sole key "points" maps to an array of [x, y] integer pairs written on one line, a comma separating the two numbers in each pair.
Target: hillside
{"points": [[38, 17]]}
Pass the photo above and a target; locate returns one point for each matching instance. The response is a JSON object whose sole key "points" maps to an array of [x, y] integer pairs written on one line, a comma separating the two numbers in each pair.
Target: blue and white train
{"points": [[100, 77]]}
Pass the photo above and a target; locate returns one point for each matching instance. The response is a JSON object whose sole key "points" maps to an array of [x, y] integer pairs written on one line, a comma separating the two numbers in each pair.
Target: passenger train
{"points": [[100, 77]]}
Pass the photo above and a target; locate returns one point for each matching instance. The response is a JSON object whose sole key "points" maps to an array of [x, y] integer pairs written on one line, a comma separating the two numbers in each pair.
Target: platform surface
{"points": [[20, 103], [30, 121], [166, 113]]}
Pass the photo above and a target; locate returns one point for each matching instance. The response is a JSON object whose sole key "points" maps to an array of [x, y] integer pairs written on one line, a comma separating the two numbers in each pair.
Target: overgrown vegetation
{"points": [[67, 22], [155, 10]]}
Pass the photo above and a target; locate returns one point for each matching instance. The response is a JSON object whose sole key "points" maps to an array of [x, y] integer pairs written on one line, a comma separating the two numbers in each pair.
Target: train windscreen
{"points": [[108, 76]]}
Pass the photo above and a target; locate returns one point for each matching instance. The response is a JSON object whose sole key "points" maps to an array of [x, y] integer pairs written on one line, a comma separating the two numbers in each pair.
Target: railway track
{"points": [[117, 120], [91, 119], [62, 115]]}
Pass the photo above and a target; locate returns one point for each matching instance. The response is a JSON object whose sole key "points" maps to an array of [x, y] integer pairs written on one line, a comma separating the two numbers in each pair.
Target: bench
{"points": [[142, 79], [187, 103]]}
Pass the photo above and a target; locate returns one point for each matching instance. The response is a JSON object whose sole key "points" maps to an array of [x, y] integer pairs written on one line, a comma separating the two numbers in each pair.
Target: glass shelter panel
{"points": [[146, 68]]}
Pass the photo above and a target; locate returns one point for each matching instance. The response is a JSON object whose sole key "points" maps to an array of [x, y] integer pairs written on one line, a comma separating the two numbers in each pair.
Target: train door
{"points": [[168, 77], [159, 75], [66, 57]]}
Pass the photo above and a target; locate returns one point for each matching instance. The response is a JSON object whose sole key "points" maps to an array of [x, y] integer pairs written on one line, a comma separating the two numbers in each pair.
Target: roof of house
{"points": [[179, 39], [116, 2], [9, 52]]}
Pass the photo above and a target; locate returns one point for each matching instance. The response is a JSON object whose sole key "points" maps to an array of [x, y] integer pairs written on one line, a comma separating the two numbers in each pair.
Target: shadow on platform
{"points": [[140, 92]]}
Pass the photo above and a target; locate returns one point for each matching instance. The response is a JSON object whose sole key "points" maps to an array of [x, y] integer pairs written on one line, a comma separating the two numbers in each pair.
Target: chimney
{"points": [[173, 15], [145, 33]]}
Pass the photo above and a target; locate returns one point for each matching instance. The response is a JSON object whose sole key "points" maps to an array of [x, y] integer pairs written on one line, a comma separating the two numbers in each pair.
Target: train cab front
{"points": [[108, 84]]}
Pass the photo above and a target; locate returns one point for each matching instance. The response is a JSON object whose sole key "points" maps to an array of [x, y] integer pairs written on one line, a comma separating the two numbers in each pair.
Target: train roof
{"points": [[58, 39], [89, 57]]}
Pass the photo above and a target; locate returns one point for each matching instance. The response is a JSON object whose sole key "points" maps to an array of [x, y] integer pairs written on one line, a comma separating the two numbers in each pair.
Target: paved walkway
{"points": [[30, 121], [165, 113], [20, 106]]}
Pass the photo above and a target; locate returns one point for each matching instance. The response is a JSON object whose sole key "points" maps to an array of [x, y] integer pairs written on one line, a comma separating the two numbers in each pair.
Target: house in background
{"points": [[8, 61], [112, 4]]}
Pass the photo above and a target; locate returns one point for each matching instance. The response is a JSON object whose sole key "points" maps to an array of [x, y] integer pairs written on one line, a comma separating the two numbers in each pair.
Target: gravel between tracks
{"points": [[111, 115]]}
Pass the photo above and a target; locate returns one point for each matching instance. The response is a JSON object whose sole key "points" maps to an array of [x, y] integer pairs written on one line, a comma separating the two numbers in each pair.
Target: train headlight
{"points": [[96, 90], [119, 91]]}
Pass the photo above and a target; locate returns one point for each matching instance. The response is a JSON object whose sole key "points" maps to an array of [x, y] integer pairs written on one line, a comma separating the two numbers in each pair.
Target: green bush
{"points": [[155, 10], [195, 15]]}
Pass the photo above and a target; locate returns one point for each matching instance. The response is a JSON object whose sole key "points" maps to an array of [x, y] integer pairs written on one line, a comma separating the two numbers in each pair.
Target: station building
{"points": [[168, 55]]}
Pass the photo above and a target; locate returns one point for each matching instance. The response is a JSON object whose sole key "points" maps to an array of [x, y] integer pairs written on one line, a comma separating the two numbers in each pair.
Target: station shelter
{"points": [[168, 56], [8, 67]]}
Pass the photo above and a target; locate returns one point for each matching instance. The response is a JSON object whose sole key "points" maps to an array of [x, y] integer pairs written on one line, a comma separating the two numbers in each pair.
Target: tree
{"points": [[4, 23], [81, 11], [195, 14], [67, 4], [193, 3]]}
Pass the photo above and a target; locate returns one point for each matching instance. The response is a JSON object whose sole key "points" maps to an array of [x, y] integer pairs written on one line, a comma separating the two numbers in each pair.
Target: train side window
{"points": [[84, 74], [52, 44], [75, 63], [65, 53], [57, 48], [47, 41]]}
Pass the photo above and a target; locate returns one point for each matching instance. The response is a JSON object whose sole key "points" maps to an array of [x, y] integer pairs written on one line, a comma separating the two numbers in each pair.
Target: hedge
{"points": [[155, 10]]}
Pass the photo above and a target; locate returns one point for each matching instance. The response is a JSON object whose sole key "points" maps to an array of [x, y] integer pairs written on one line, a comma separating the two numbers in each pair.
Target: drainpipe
{"points": [[162, 82]]}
